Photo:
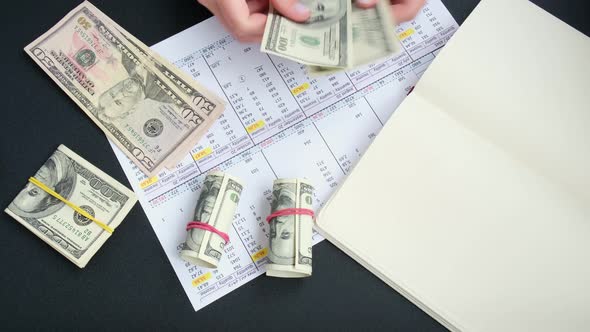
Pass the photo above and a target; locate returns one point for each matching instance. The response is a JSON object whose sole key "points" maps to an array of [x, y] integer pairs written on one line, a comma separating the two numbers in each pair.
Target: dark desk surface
{"points": [[130, 284]]}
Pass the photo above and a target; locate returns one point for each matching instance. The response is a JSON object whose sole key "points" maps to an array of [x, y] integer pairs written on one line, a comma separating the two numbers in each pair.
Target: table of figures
{"points": [[278, 123]]}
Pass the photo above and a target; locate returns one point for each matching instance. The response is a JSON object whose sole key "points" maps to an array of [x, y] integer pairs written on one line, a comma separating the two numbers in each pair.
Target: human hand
{"points": [[402, 10], [245, 19]]}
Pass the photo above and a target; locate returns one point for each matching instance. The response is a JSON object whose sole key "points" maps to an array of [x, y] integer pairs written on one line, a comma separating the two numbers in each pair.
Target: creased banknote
{"points": [[216, 207], [141, 103], [290, 240], [192, 90], [76, 180]]}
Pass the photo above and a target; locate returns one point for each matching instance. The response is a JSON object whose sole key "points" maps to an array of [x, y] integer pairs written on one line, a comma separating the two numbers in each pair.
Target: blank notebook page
{"points": [[473, 201]]}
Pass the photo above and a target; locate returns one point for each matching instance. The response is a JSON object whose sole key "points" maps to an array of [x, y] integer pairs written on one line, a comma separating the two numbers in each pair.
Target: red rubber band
{"points": [[290, 212], [207, 227]]}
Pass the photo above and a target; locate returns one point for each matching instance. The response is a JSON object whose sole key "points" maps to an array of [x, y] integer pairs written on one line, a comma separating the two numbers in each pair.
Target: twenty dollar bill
{"points": [[73, 235], [147, 113]]}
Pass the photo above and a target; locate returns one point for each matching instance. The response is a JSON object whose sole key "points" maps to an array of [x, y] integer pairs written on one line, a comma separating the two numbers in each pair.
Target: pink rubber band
{"points": [[290, 212], [207, 227]]}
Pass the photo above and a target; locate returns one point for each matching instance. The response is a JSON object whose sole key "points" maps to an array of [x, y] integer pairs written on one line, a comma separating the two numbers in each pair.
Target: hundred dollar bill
{"points": [[216, 207], [142, 110], [75, 179], [290, 236], [323, 40], [372, 37]]}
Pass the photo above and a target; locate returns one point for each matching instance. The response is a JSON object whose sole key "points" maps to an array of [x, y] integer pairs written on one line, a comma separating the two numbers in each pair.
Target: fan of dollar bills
{"points": [[337, 36], [154, 112]]}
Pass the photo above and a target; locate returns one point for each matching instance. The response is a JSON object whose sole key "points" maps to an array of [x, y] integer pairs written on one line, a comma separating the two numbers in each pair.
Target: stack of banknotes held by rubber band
{"points": [[290, 222], [72, 205], [207, 233]]}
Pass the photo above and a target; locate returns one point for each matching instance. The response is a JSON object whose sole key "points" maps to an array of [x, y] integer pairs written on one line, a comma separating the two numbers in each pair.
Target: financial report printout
{"points": [[278, 123]]}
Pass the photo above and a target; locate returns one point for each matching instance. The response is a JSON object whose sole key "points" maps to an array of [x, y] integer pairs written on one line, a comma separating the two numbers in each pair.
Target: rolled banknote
{"points": [[372, 37], [323, 40], [214, 213], [291, 229], [147, 111], [77, 181]]}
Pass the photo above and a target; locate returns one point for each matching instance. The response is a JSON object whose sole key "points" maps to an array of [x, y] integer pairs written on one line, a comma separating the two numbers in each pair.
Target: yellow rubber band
{"points": [[70, 204]]}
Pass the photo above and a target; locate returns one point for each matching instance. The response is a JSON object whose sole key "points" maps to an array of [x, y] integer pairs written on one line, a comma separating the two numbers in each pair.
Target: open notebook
{"points": [[474, 200]]}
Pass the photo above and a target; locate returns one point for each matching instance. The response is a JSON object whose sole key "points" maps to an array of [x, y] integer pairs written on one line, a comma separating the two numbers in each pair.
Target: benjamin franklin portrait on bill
{"points": [[325, 12], [282, 228], [205, 205], [58, 174]]}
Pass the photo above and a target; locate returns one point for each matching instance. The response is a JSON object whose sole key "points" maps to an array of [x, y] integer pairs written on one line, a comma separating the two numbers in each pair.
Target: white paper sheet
{"points": [[483, 176], [278, 123]]}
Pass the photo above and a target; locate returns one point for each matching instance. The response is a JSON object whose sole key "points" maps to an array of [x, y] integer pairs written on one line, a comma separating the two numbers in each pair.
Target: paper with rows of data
{"points": [[279, 123]]}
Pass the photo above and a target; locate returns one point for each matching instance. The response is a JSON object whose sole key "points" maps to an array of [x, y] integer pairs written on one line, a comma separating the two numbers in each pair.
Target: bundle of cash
{"points": [[291, 229], [214, 213], [337, 36], [76, 181], [153, 112]]}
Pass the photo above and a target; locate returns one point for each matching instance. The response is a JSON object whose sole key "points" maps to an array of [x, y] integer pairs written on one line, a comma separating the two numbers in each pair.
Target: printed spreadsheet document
{"points": [[278, 123]]}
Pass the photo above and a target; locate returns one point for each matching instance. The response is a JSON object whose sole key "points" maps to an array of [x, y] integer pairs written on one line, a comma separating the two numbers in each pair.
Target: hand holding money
{"points": [[66, 178], [245, 18], [214, 213], [337, 36], [291, 229]]}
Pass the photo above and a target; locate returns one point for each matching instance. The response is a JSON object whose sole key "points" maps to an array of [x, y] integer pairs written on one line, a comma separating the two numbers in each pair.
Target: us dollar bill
{"points": [[373, 34], [191, 89], [196, 94], [139, 108], [370, 36], [290, 240], [373, 37], [323, 40], [216, 207], [74, 236]]}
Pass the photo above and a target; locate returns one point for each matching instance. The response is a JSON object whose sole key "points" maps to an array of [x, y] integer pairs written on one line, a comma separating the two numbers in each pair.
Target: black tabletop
{"points": [[129, 284]]}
